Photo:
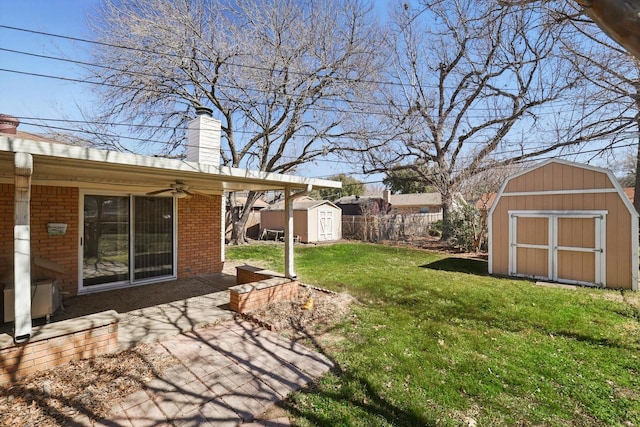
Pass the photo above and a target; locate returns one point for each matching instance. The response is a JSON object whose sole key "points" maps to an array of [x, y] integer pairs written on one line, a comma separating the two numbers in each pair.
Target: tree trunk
{"points": [[447, 202], [240, 216]]}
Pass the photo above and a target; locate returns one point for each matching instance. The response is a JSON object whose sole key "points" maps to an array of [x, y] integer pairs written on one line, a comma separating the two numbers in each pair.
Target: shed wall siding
{"points": [[300, 225], [273, 220], [554, 177], [305, 222]]}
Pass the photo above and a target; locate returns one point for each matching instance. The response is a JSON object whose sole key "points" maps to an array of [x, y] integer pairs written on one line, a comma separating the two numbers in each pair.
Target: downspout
{"points": [[23, 169], [288, 229]]}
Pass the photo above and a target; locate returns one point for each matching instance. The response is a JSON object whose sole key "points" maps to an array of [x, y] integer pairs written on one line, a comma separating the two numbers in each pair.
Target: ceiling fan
{"points": [[179, 190]]}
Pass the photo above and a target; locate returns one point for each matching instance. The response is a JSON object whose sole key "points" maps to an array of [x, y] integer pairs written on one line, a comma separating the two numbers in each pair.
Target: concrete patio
{"points": [[226, 375], [226, 371], [153, 312]]}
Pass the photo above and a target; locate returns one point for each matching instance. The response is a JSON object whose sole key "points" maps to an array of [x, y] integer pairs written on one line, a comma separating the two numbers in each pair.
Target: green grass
{"points": [[438, 342]]}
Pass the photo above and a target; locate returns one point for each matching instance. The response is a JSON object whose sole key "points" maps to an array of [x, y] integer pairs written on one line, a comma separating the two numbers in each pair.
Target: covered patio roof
{"points": [[73, 166], [26, 162]]}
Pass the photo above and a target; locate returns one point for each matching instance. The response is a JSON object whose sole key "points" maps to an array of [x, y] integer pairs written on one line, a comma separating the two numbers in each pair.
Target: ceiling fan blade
{"points": [[153, 193], [201, 193], [190, 193]]}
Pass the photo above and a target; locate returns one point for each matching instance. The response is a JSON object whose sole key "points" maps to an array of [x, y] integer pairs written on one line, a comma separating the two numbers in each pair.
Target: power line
{"points": [[317, 159], [523, 161], [552, 105], [175, 55], [168, 143]]}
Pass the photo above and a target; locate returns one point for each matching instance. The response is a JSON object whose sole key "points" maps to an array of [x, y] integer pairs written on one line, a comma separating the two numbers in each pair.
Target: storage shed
{"points": [[313, 220], [565, 222]]}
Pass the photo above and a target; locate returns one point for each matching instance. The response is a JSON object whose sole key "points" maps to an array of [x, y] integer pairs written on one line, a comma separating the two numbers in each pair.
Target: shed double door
{"points": [[566, 247]]}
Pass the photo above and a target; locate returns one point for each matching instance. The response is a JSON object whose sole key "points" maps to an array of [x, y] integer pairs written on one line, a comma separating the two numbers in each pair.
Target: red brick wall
{"points": [[198, 234], [199, 240], [48, 204], [249, 274], [18, 361], [6, 232], [242, 302]]}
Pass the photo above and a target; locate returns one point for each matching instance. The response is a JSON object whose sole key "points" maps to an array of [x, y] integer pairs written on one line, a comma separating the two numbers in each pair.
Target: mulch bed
{"points": [[92, 386]]}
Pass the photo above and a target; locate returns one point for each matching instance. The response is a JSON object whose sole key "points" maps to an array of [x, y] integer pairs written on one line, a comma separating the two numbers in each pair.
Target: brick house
{"points": [[94, 220]]}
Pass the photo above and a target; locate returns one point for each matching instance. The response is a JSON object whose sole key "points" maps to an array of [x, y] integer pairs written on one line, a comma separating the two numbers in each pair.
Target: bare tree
{"points": [[619, 19], [610, 74], [482, 185], [473, 89], [612, 99], [278, 73]]}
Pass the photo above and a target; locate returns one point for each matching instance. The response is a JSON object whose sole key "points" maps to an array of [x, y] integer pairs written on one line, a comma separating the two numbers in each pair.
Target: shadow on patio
{"points": [[151, 312]]}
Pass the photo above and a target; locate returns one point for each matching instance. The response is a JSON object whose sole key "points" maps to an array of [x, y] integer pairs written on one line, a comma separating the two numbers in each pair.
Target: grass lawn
{"points": [[435, 341]]}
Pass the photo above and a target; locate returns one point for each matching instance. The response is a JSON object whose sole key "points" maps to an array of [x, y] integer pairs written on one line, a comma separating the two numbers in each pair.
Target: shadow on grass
{"points": [[373, 403], [459, 265]]}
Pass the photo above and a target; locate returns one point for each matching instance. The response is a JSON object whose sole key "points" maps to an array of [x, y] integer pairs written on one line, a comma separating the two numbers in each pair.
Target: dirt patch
{"points": [[633, 299], [434, 244], [314, 308], [90, 387]]}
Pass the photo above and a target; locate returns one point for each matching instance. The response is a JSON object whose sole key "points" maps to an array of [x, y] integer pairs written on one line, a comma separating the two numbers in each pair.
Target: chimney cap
{"points": [[204, 111], [8, 124]]}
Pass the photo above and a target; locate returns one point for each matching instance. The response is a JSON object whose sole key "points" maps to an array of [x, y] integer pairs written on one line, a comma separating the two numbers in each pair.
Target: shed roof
{"points": [[352, 200], [73, 166], [258, 204], [302, 204], [417, 199], [613, 182]]}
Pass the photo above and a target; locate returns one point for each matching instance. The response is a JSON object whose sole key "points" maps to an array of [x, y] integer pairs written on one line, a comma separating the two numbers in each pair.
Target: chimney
{"points": [[8, 124], [386, 195], [203, 138]]}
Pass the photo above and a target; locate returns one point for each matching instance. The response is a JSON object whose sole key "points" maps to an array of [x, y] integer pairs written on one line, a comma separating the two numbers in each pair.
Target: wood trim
{"points": [[561, 192]]}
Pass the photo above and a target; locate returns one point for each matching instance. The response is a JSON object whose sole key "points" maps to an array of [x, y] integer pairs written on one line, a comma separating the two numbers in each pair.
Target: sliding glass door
{"points": [[153, 237], [106, 240], [126, 239]]}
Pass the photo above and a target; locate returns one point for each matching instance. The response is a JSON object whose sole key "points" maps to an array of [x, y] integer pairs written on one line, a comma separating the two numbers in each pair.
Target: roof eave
{"points": [[152, 168]]}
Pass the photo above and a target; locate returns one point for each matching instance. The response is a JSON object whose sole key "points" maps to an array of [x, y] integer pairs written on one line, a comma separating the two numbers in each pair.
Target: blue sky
{"points": [[30, 96], [38, 97]]}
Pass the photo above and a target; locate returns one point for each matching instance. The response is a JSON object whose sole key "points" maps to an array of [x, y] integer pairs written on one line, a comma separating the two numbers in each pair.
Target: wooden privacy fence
{"points": [[373, 228]]}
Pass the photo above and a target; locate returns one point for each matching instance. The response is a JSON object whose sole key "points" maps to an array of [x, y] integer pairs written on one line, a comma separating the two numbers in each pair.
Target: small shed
{"points": [[313, 220], [363, 205], [565, 222]]}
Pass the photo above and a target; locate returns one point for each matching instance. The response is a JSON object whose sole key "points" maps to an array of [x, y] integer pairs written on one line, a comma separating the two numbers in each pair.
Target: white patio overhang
{"points": [[25, 163]]}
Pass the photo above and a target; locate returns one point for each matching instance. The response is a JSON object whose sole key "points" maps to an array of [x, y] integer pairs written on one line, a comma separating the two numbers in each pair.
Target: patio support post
{"points": [[23, 169], [223, 227], [288, 229], [288, 234]]}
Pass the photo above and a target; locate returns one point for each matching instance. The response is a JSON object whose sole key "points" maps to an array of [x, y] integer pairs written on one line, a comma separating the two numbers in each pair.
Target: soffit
{"points": [[63, 165]]}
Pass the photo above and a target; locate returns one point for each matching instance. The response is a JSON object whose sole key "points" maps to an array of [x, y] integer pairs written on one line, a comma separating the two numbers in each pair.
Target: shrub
{"points": [[465, 228]]}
